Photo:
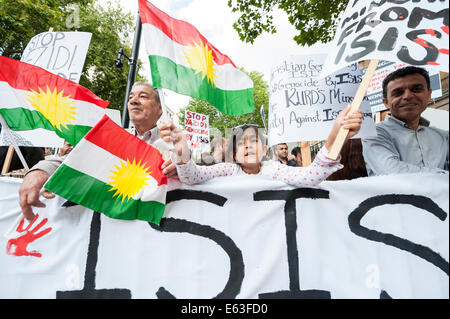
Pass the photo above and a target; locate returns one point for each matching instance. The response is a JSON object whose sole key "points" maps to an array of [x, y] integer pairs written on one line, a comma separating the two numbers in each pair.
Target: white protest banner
{"points": [[303, 107], [412, 32], [62, 53], [375, 89], [196, 127], [238, 237]]}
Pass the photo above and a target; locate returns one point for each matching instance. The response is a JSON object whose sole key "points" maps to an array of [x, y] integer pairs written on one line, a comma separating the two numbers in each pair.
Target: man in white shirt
{"points": [[144, 108]]}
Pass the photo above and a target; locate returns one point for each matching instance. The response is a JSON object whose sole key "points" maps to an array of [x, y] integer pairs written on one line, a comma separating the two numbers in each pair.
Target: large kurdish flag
{"points": [[113, 172], [183, 61], [32, 98]]}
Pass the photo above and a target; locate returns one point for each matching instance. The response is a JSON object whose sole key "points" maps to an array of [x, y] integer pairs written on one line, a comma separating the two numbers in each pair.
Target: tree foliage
{"points": [[222, 121], [315, 20], [111, 29]]}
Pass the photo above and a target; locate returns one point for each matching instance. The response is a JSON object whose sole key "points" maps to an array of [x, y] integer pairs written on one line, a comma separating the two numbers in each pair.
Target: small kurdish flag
{"points": [[182, 60], [32, 98], [113, 172]]}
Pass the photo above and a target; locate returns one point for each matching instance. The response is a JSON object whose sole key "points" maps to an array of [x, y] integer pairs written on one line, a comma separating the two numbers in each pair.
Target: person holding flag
{"points": [[144, 108]]}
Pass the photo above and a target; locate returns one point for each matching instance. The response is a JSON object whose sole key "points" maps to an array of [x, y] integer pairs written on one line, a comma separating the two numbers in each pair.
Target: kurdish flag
{"points": [[32, 98], [182, 60], [113, 172]]}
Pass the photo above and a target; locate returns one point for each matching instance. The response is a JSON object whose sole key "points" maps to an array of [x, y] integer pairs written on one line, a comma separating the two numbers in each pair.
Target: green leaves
{"points": [[315, 20]]}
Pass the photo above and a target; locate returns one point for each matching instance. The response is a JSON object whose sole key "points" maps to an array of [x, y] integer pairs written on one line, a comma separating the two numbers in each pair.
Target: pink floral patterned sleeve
{"points": [[191, 174], [311, 175]]}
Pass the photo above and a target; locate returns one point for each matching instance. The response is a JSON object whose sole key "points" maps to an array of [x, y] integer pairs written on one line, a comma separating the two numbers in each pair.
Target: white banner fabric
{"points": [[239, 237]]}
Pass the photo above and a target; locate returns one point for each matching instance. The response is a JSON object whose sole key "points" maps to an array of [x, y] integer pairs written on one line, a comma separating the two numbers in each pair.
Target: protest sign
{"points": [[375, 90], [196, 130], [303, 107], [238, 237], [62, 53], [412, 32]]}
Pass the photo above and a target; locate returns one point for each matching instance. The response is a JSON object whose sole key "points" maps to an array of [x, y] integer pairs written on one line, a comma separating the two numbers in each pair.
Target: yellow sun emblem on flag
{"points": [[54, 106], [129, 179], [200, 59]]}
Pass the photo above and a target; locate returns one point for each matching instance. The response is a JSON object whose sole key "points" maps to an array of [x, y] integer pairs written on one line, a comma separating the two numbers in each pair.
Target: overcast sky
{"points": [[214, 19]]}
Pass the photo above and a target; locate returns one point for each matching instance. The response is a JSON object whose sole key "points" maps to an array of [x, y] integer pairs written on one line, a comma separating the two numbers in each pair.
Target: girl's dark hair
{"points": [[236, 134]]}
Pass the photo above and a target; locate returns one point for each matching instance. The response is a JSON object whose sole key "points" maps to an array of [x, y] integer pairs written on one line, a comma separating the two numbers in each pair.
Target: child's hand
{"points": [[170, 133], [348, 120]]}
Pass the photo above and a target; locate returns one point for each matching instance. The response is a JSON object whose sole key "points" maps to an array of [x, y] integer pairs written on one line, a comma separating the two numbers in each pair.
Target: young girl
{"points": [[248, 149]]}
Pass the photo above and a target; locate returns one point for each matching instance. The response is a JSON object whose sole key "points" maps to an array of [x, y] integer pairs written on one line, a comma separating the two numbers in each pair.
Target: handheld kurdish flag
{"points": [[182, 60], [113, 172], [32, 98]]}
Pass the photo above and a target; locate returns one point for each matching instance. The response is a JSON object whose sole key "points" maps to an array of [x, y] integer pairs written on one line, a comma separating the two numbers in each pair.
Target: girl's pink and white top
{"points": [[312, 175]]}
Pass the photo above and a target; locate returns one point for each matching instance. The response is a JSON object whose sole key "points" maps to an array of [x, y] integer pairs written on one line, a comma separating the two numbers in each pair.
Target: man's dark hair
{"points": [[282, 144], [400, 73], [295, 150]]}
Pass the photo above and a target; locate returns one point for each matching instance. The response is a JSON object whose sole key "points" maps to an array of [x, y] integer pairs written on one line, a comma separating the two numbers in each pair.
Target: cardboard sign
{"points": [[303, 107], [61, 53], [196, 130], [238, 237], [411, 32]]}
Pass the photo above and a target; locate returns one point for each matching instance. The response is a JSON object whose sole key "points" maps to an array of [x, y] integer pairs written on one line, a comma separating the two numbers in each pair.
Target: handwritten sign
{"points": [[375, 90], [411, 32], [239, 237], [62, 53], [303, 107], [196, 127]]}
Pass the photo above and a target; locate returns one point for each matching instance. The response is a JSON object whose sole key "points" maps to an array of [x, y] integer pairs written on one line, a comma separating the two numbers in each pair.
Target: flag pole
{"points": [[359, 96], [13, 142], [133, 69]]}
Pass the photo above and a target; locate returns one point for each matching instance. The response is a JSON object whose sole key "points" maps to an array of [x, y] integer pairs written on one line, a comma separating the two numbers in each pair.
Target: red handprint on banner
{"points": [[18, 246]]}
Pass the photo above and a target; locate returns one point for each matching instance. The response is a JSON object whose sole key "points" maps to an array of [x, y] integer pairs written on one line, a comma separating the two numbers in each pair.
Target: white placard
{"points": [[196, 130], [61, 53], [303, 107], [411, 32]]}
